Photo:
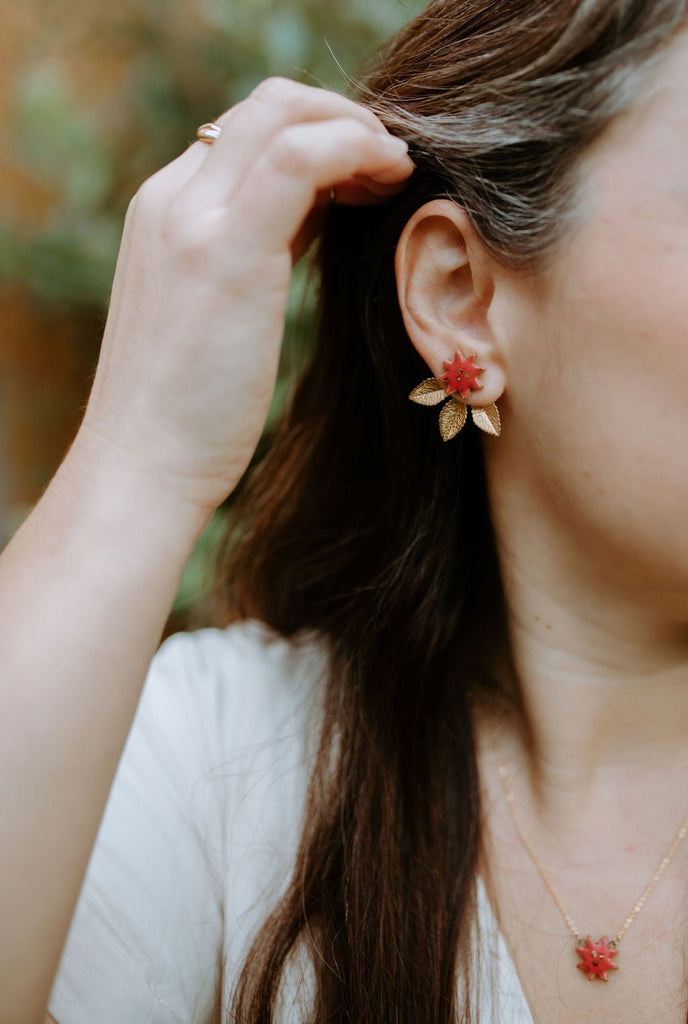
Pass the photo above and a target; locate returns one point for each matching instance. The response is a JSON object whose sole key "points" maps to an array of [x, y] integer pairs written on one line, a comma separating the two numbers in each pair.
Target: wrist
{"points": [[122, 485]]}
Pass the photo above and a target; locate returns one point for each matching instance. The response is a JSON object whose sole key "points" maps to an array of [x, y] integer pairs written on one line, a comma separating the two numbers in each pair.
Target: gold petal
{"points": [[488, 420], [452, 419], [430, 392]]}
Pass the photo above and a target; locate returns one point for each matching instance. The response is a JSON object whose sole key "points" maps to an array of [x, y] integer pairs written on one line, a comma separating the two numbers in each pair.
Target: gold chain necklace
{"points": [[596, 958]]}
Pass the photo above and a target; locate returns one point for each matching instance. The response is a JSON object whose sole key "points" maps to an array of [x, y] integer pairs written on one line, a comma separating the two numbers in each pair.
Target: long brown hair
{"points": [[360, 524]]}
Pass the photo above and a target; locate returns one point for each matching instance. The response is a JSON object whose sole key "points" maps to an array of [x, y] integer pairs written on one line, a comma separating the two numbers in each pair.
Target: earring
{"points": [[460, 379]]}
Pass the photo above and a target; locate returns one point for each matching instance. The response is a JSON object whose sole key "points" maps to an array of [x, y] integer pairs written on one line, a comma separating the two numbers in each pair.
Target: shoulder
{"points": [[249, 711], [246, 682], [247, 647], [222, 711], [201, 825]]}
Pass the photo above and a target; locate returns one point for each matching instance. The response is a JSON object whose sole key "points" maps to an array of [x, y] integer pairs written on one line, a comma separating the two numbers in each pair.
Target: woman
{"points": [[435, 768]]}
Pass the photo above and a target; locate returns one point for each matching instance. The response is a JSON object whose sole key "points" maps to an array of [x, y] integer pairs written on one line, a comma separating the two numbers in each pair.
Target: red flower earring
{"points": [[457, 383]]}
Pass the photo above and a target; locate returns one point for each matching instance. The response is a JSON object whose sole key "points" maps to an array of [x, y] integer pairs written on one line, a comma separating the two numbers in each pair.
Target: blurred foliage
{"points": [[92, 154], [179, 63]]}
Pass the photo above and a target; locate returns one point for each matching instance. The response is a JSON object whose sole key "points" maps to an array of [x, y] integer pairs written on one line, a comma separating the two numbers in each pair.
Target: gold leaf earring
{"points": [[460, 379]]}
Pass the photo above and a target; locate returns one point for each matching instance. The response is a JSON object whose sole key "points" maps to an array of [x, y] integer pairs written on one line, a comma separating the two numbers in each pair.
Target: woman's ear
{"points": [[446, 284]]}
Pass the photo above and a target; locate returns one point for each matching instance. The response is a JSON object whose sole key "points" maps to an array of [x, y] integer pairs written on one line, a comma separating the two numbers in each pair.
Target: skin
{"points": [[587, 358], [183, 385], [596, 571]]}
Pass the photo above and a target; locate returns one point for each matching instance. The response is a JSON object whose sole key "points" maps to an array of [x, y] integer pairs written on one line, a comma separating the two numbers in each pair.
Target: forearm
{"points": [[86, 585], [185, 377]]}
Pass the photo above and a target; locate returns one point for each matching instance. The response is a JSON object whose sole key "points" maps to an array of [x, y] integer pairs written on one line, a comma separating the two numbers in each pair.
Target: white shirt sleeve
{"points": [[150, 933]]}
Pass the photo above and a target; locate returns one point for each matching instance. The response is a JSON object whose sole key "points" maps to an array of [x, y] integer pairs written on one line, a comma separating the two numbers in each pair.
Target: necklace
{"points": [[596, 958]]}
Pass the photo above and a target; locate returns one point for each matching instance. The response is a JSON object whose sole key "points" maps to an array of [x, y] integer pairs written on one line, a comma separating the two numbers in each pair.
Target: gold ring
{"points": [[209, 132]]}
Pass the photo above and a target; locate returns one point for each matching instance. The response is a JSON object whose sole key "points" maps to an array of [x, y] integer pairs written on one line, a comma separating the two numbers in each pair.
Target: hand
{"points": [[191, 346]]}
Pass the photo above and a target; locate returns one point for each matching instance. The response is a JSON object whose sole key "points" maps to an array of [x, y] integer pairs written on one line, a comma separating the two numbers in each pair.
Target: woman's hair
{"points": [[362, 525]]}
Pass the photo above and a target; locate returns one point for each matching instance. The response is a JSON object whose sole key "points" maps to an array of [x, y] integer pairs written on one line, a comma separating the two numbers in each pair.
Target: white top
{"points": [[200, 832]]}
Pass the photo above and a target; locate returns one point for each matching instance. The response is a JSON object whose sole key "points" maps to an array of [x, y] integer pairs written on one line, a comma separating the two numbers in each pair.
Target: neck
{"points": [[602, 664]]}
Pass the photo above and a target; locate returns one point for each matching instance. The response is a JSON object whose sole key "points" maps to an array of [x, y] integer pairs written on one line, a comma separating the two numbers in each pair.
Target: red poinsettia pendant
{"points": [[460, 379], [596, 958]]}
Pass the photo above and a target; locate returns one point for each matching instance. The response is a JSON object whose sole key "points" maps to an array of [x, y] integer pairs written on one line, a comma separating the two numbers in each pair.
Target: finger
{"points": [[249, 128], [305, 159], [365, 192], [246, 130]]}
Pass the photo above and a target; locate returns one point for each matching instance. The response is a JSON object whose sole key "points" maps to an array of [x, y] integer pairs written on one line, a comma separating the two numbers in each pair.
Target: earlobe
{"points": [[445, 285]]}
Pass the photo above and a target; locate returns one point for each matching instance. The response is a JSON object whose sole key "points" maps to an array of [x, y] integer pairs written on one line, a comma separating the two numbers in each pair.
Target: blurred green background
{"points": [[93, 99]]}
